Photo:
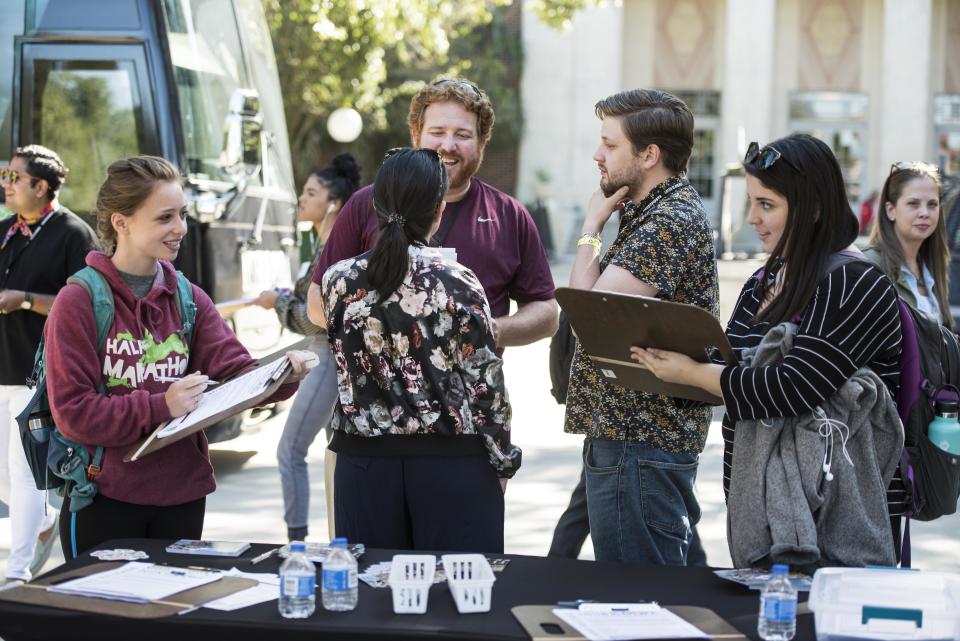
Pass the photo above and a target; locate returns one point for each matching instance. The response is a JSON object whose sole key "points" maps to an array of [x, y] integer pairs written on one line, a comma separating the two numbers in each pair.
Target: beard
{"points": [[464, 170], [611, 183]]}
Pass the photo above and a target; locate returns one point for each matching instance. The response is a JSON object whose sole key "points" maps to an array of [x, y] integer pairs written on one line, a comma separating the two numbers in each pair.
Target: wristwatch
{"points": [[27, 301]]}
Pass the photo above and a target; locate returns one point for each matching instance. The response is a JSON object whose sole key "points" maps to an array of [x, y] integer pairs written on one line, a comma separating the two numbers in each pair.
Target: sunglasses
{"points": [[12, 176], [916, 166], [466, 85], [766, 157], [433, 153]]}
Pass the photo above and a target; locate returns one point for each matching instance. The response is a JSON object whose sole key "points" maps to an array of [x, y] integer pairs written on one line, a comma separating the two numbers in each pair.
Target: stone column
{"points": [[748, 87], [905, 110]]}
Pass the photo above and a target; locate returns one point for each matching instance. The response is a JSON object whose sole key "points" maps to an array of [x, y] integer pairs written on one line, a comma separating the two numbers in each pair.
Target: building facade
{"points": [[878, 80]]}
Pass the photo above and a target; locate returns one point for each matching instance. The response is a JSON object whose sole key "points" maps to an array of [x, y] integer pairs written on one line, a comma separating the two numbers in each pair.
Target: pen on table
{"points": [[174, 379], [263, 557]]}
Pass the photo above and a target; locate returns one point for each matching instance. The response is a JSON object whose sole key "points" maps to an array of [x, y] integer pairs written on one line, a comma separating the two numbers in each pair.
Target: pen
{"points": [[174, 379], [263, 557]]}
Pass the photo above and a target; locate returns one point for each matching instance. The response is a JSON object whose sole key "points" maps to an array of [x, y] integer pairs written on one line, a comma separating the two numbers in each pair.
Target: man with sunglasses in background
{"points": [[641, 450], [41, 245]]}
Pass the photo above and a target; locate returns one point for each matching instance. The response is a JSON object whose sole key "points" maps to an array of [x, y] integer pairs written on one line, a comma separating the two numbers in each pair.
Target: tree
{"points": [[371, 55]]}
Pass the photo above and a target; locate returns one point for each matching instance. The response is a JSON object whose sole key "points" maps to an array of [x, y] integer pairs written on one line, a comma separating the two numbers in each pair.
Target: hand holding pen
{"points": [[184, 395]]}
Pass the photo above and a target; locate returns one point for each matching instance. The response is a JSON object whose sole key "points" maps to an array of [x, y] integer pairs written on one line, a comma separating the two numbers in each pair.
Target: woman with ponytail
{"points": [[324, 194], [422, 428]]}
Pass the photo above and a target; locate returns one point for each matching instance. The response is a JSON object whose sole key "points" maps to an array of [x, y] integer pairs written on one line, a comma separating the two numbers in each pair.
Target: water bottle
{"points": [[778, 607], [339, 578], [298, 584], [944, 429]]}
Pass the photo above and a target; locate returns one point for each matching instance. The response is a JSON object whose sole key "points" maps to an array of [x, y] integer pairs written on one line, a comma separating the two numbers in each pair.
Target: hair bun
{"points": [[346, 165]]}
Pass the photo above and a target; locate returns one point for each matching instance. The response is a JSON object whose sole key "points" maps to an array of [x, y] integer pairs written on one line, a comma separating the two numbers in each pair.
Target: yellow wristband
{"points": [[588, 239]]}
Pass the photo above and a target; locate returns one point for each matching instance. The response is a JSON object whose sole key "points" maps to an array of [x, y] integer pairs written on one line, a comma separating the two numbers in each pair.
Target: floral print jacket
{"points": [[422, 361]]}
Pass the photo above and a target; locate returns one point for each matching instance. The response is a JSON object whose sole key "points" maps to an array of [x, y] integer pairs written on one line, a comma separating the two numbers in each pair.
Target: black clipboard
{"points": [[157, 441], [607, 324]]}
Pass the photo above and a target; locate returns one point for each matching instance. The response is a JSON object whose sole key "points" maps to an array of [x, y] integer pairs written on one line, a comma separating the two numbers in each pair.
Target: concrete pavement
{"points": [[247, 504]]}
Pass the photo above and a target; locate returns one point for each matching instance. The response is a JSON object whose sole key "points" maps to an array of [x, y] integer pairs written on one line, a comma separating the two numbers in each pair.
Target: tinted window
{"points": [[11, 25], [52, 15], [209, 66], [90, 113]]}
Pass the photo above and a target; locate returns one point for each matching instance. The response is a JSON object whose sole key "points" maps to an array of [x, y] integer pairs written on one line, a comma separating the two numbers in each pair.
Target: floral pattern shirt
{"points": [[665, 241], [422, 361]]}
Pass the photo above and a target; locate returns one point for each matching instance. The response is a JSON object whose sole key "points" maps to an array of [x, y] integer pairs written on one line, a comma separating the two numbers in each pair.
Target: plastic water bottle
{"points": [[778, 607], [339, 578], [298, 584], [944, 429]]}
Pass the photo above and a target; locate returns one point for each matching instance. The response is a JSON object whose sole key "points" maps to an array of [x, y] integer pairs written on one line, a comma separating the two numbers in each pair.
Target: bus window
{"points": [[91, 113], [208, 65]]}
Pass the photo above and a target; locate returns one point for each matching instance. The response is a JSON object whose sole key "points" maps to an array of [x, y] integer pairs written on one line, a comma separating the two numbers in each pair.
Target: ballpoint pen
{"points": [[263, 557], [174, 379]]}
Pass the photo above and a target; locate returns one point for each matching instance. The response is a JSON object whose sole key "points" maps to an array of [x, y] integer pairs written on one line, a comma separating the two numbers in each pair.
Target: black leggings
{"points": [[106, 519]]}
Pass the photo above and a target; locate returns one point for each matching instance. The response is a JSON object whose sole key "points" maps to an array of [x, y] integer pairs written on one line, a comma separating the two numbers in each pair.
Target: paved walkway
{"points": [[247, 504]]}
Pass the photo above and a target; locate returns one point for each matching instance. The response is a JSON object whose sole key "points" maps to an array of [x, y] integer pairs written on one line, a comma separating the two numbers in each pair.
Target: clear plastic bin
{"points": [[470, 578], [411, 576], [886, 604]]}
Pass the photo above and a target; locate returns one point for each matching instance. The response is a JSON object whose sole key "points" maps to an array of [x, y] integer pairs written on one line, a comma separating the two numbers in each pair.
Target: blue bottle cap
{"points": [[339, 542], [781, 568], [298, 546]]}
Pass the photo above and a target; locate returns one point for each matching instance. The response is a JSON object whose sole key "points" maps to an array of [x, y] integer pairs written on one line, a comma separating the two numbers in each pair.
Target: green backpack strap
{"points": [[101, 296], [186, 306]]}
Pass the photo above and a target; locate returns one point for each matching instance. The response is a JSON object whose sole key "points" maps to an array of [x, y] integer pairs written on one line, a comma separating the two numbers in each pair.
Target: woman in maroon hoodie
{"points": [[141, 219]]}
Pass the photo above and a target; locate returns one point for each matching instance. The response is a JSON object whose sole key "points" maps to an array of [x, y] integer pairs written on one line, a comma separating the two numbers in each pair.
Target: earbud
{"points": [[827, 472]]}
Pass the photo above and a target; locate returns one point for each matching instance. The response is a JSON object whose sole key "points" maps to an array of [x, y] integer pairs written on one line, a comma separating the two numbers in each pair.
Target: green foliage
{"points": [[373, 55], [90, 126]]}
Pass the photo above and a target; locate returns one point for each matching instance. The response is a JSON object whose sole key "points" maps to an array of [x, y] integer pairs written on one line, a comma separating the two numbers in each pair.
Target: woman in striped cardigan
{"points": [[847, 315]]}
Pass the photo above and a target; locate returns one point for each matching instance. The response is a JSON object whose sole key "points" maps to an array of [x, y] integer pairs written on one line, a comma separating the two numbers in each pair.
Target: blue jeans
{"points": [[312, 410], [641, 502]]}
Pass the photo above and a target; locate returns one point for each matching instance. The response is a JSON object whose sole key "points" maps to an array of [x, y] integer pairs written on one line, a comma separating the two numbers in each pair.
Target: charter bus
{"points": [[194, 81]]}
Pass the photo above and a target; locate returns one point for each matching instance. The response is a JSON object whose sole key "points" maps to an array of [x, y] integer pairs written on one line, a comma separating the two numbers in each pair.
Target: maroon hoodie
{"points": [[142, 344]]}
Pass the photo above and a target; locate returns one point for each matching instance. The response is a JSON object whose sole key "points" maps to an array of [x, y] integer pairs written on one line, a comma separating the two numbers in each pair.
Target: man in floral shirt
{"points": [[641, 450]]}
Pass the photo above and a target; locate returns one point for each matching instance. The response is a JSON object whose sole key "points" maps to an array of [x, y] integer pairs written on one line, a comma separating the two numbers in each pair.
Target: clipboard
{"points": [[541, 624], [35, 593], [159, 438], [607, 324]]}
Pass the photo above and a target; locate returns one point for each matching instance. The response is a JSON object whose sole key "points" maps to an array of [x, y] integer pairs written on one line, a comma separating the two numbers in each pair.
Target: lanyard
{"points": [[15, 257]]}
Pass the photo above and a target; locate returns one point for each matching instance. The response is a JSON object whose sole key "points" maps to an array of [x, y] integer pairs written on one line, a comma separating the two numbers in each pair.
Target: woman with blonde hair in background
{"points": [[909, 240]]}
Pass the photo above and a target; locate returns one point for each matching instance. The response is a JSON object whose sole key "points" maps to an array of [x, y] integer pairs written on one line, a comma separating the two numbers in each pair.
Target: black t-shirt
{"points": [[40, 266]]}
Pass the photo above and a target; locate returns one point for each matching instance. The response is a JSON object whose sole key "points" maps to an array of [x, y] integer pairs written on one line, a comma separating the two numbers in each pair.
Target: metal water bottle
{"points": [[944, 429]]}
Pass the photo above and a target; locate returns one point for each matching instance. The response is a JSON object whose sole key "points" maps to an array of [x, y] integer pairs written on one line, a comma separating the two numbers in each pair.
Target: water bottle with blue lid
{"points": [[778, 607]]}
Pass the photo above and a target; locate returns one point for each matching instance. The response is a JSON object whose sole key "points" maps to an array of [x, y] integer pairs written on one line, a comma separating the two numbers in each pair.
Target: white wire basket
{"points": [[470, 578], [411, 576]]}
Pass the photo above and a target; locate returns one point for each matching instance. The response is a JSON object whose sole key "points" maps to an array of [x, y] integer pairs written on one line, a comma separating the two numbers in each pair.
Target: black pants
{"points": [[445, 503], [106, 519], [574, 524]]}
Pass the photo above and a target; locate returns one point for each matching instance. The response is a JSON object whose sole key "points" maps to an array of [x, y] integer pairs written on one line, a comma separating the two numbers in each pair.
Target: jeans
{"points": [[312, 410], [30, 513], [641, 502]]}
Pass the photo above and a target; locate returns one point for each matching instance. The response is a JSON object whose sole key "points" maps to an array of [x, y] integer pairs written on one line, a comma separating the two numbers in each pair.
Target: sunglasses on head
{"points": [[917, 166], [466, 85], [766, 157]]}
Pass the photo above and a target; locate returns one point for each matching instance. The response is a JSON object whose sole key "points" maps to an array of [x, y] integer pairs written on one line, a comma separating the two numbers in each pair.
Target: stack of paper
{"points": [[267, 589], [137, 582], [623, 621], [208, 548]]}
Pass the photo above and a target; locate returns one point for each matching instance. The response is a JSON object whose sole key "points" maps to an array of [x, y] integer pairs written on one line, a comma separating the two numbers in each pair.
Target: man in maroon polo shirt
{"points": [[491, 232]]}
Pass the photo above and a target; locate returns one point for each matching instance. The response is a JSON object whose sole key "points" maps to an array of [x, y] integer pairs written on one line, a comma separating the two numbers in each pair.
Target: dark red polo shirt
{"points": [[493, 234]]}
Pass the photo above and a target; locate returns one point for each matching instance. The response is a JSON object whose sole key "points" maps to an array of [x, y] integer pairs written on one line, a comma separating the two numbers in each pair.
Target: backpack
{"points": [[929, 370], [55, 461], [563, 345]]}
